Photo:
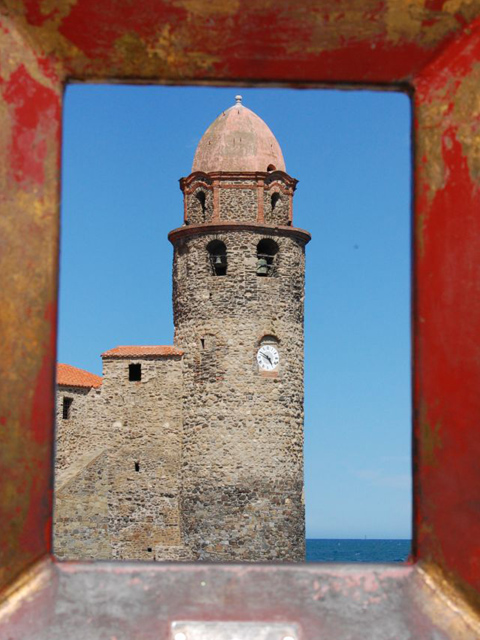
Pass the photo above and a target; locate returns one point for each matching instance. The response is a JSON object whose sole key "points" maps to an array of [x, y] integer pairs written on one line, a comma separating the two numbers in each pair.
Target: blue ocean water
{"points": [[324, 550]]}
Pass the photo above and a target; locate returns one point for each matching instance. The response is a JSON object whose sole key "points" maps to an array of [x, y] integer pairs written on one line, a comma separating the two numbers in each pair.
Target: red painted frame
{"points": [[430, 48]]}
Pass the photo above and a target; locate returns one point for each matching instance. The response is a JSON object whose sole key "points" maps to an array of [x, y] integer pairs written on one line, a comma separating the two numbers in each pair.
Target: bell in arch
{"points": [[262, 267]]}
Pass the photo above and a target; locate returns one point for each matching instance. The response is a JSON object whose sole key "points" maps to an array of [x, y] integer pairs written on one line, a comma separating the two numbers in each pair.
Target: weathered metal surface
{"points": [[263, 630], [45, 42], [30, 111], [290, 41], [140, 602], [447, 314]]}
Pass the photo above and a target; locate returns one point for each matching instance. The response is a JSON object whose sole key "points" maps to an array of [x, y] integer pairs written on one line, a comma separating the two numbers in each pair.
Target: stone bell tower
{"points": [[238, 294]]}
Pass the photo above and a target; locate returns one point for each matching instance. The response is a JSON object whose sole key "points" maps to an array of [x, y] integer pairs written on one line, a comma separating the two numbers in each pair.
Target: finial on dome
{"points": [[238, 99]]}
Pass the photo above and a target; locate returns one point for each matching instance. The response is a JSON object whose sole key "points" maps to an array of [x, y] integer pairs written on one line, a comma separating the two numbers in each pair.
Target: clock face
{"points": [[267, 357]]}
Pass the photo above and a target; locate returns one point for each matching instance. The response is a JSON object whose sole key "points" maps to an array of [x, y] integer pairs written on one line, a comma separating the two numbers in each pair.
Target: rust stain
{"points": [[430, 439], [466, 9], [30, 108], [466, 118], [448, 591], [432, 119], [350, 21], [212, 8], [162, 53], [447, 117], [403, 19], [185, 38], [398, 21], [56, 10], [202, 39], [31, 582], [44, 36], [14, 53]]}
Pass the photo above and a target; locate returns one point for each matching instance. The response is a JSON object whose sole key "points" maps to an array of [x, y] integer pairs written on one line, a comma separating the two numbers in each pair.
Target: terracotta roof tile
{"points": [[132, 351], [69, 376]]}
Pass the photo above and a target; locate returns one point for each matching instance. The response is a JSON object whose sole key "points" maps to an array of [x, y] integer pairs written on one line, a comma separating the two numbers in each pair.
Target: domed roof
{"points": [[238, 140]]}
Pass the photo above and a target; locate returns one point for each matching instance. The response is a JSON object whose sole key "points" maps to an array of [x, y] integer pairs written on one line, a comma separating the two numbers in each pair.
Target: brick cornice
{"points": [[226, 176], [225, 226]]}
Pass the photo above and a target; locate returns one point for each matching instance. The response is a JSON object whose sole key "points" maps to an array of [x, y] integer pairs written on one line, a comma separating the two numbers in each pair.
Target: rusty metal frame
{"points": [[430, 48]]}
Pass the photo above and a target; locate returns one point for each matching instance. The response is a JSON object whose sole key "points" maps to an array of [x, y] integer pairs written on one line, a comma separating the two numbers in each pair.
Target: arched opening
{"points": [[268, 338], [271, 167], [274, 199], [217, 253], [266, 252], [201, 197]]}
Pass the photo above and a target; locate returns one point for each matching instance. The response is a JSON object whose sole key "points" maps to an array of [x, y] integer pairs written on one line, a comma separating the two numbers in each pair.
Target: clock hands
{"points": [[266, 357], [263, 356]]}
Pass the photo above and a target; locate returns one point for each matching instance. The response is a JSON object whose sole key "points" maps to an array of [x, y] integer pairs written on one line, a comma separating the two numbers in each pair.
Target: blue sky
{"points": [[125, 149]]}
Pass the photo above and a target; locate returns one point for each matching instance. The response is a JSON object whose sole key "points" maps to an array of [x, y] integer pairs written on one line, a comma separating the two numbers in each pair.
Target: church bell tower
{"points": [[238, 298]]}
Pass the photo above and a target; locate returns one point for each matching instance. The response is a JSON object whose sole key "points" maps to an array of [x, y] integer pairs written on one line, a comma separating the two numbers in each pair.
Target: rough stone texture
{"points": [[203, 457], [276, 211], [243, 429], [81, 509], [105, 507], [198, 214], [145, 419], [239, 204], [78, 434]]}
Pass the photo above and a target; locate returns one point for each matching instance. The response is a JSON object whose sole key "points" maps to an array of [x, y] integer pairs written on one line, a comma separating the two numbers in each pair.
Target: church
{"points": [[194, 451]]}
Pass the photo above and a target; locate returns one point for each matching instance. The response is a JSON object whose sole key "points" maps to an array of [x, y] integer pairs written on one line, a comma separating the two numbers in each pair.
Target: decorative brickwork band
{"points": [[234, 199], [221, 227]]}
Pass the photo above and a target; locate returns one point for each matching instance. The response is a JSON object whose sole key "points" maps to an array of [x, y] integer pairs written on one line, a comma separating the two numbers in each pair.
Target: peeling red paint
{"points": [[34, 107], [42, 414], [35, 14], [453, 63], [114, 21], [450, 375], [447, 312], [37, 426], [283, 41], [431, 48]]}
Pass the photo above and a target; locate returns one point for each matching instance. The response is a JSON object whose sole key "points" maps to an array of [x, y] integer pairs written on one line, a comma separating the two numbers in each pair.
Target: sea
{"points": [[365, 550]]}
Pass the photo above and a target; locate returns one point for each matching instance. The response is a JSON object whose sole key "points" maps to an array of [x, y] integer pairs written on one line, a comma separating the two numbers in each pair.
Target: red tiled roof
{"points": [[69, 376], [133, 351]]}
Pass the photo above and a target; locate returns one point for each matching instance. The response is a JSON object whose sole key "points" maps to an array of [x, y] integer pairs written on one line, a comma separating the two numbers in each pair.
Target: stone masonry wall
{"points": [[79, 432], [81, 509], [238, 203], [118, 464], [145, 422], [198, 213], [80, 515], [276, 212], [242, 479]]}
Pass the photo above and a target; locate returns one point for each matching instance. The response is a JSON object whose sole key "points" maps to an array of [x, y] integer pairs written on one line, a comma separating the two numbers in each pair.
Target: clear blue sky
{"points": [[125, 149]]}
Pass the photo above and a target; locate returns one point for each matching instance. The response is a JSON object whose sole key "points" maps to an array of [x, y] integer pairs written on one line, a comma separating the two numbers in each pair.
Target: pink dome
{"points": [[238, 140]]}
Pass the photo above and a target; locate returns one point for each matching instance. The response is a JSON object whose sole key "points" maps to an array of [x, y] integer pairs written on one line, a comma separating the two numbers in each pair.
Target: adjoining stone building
{"points": [[195, 451]]}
